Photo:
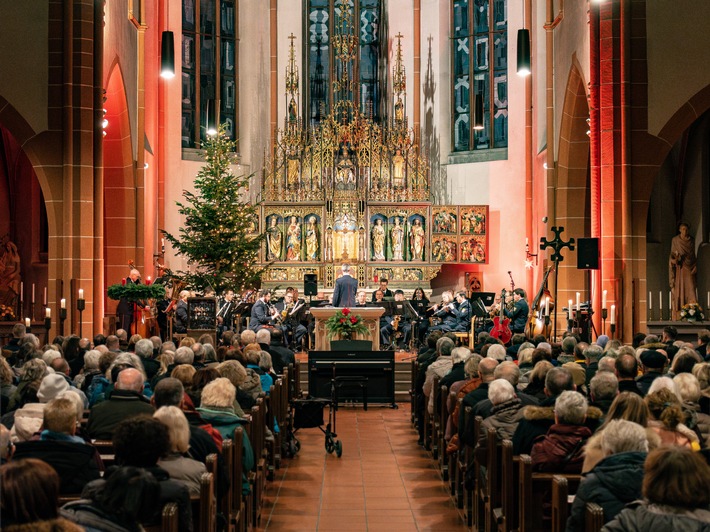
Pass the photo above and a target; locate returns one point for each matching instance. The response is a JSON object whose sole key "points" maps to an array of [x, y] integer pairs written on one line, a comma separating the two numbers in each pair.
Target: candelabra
{"points": [[62, 318], [80, 306], [47, 326], [604, 315], [613, 330]]}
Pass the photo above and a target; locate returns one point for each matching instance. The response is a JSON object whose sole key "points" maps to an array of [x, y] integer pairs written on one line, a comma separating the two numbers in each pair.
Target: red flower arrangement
{"points": [[344, 324]]}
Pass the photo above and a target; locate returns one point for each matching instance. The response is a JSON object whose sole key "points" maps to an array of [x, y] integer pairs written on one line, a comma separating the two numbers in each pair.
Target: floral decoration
{"points": [[345, 324]]}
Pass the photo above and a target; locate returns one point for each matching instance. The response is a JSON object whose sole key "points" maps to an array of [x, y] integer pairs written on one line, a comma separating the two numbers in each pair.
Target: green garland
{"points": [[136, 292]]}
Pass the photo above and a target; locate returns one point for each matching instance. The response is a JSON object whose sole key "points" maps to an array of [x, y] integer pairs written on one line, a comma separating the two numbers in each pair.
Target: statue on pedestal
{"points": [[274, 240], [397, 240], [682, 269], [293, 240], [312, 239], [377, 235]]}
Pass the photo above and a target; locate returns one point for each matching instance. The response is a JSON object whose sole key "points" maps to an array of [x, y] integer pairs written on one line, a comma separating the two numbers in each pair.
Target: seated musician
{"points": [[386, 292], [162, 318], [225, 314], [361, 299], [378, 299], [448, 312], [262, 313], [464, 313], [290, 312], [519, 313], [404, 326], [420, 304]]}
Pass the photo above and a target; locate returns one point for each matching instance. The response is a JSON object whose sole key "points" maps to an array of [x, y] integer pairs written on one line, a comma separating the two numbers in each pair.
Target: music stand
{"points": [[242, 309], [487, 298]]}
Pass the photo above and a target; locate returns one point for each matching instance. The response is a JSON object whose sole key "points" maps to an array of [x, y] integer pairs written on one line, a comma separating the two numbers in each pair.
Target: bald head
{"points": [[130, 379], [487, 368]]}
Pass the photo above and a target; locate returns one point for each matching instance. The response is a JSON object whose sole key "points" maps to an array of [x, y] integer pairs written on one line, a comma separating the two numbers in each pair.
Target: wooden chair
{"points": [[532, 489], [593, 517]]}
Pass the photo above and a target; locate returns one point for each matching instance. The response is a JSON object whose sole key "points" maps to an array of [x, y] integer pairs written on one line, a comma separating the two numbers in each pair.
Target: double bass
{"points": [[501, 329], [536, 323]]}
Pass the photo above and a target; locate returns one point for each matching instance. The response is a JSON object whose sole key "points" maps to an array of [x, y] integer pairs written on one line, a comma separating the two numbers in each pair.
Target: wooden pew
{"points": [[506, 516], [237, 507], [532, 488], [168, 520], [105, 448], [434, 419], [468, 461], [204, 506], [594, 517], [489, 491], [224, 505], [560, 503], [443, 419], [414, 369]]}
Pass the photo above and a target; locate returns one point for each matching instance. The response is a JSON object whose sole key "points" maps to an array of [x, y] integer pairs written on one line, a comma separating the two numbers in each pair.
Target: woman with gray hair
{"points": [[617, 479], [89, 371], [702, 373], [689, 389], [33, 371], [505, 414]]}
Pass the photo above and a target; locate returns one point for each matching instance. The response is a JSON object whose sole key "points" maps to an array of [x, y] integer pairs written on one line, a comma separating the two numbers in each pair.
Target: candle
{"points": [[670, 300], [147, 280], [547, 306], [33, 292], [123, 281], [660, 300], [604, 299], [650, 304], [612, 316], [81, 293], [48, 312], [569, 310], [22, 291], [63, 303], [27, 323], [708, 305], [44, 301], [577, 301], [526, 242]]}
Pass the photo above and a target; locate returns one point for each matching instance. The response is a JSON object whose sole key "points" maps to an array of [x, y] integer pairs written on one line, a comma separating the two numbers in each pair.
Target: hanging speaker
{"points": [[588, 254], [310, 284]]}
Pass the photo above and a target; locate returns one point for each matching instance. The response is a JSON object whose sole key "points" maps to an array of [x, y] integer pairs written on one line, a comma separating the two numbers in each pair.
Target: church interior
{"points": [[462, 148]]}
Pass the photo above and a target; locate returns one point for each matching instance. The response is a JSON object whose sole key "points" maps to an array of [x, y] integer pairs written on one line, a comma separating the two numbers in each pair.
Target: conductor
{"points": [[345, 289]]}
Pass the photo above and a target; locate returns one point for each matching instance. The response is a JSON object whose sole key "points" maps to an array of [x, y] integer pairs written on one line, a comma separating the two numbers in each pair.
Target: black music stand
{"points": [[241, 310], [487, 298]]}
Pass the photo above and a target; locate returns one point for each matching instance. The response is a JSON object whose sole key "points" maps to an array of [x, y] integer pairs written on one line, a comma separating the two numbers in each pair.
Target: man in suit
{"points": [[124, 310], [345, 289], [225, 315], [386, 292], [463, 312], [262, 313]]}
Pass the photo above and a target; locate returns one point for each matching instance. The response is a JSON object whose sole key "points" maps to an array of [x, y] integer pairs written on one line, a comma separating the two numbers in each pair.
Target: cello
{"points": [[536, 323], [501, 330]]}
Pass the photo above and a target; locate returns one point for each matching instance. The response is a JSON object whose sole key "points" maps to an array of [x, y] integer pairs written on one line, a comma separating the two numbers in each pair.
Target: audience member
{"points": [[626, 367], [667, 419], [652, 365], [688, 388], [506, 411], [603, 389]]}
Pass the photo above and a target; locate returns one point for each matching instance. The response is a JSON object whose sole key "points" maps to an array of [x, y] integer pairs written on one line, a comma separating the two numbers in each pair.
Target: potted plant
{"points": [[343, 326]]}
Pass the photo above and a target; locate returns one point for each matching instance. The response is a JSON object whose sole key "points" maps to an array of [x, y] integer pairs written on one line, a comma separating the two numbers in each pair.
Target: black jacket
{"points": [[281, 357], [612, 484], [641, 517], [77, 464], [105, 415]]}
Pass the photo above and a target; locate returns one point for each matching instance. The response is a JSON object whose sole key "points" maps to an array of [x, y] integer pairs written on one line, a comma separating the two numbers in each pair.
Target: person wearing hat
{"points": [[652, 364], [29, 418]]}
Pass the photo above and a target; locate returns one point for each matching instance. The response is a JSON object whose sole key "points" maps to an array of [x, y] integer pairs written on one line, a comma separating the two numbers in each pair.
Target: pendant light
{"points": [[478, 112], [211, 128], [167, 50], [523, 49]]}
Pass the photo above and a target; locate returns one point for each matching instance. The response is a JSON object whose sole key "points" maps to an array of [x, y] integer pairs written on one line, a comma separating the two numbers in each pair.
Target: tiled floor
{"points": [[383, 481]]}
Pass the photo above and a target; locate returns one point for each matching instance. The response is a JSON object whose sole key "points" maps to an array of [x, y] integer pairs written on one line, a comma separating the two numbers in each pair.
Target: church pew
{"points": [[224, 505], [468, 465], [489, 489], [239, 501], [533, 488], [414, 370], [168, 520], [593, 517], [204, 505], [560, 503], [443, 419], [506, 516], [435, 419]]}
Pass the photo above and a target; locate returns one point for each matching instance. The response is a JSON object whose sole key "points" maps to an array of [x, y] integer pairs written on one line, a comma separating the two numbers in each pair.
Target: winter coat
{"points": [[681, 436], [643, 517], [83, 512], [76, 463], [612, 484], [593, 448], [122, 404], [251, 386], [698, 422], [52, 525], [538, 419], [504, 419], [561, 450], [184, 470]]}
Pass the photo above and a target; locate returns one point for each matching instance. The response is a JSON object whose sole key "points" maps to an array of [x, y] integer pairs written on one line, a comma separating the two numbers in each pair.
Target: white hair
{"points": [[571, 408], [460, 354], [184, 355], [50, 355], [664, 382], [500, 391], [607, 363], [688, 387], [220, 393], [604, 385], [263, 336], [620, 436], [91, 359], [497, 352], [144, 348], [178, 427], [509, 371]]}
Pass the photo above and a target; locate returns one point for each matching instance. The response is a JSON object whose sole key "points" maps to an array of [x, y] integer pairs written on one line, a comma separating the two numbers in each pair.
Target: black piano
{"points": [[375, 366]]}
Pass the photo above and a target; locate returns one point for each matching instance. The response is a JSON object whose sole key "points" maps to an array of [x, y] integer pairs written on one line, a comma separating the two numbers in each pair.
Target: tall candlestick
{"points": [[44, 300], [650, 302], [612, 316], [604, 299], [578, 308], [81, 293], [27, 323], [569, 310], [660, 300], [48, 312], [708, 305], [22, 291], [547, 306], [526, 242], [33, 292], [670, 302], [63, 303]]}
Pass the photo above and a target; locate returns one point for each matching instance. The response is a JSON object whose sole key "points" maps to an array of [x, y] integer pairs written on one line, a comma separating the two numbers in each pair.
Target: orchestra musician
{"points": [[519, 313], [361, 299], [162, 317], [290, 315], [181, 317], [452, 318], [386, 292], [420, 303], [262, 313], [402, 321], [124, 310], [225, 314]]}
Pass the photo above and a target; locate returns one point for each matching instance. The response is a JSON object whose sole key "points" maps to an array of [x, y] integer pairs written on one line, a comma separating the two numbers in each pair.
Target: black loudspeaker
{"points": [[310, 284], [588, 254]]}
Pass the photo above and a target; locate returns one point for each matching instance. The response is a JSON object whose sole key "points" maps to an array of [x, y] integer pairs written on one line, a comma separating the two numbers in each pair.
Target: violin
{"points": [[501, 329]]}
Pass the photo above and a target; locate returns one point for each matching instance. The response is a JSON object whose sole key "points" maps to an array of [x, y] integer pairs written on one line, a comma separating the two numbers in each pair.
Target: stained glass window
{"points": [[323, 68], [209, 66], [479, 44]]}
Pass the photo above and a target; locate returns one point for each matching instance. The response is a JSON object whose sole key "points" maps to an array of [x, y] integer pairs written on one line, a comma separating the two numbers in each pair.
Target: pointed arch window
{"points": [[369, 66], [209, 54], [479, 51]]}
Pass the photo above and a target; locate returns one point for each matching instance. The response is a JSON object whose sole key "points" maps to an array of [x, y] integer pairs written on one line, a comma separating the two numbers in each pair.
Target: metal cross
{"points": [[557, 244]]}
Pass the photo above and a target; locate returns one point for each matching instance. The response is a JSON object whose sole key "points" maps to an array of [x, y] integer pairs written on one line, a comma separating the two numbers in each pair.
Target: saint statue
{"points": [[329, 244], [416, 240], [398, 169], [682, 268], [293, 240], [377, 235], [397, 240], [345, 177], [274, 240], [399, 110], [9, 273], [312, 239]]}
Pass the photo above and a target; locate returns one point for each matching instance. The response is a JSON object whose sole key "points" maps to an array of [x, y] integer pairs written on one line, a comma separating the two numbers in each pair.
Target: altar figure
{"points": [[682, 268], [398, 169], [312, 239], [293, 240], [9, 273], [274, 240], [416, 240], [397, 240], [344, 237], [377, 235]]}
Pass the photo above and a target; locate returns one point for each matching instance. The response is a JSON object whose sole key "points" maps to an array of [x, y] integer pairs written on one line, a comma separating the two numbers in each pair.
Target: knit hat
{"points": [[52, 385], [602, 340]]}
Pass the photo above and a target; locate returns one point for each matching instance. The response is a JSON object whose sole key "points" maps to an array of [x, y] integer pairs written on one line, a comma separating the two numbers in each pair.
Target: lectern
{"points": [[370, 315]]}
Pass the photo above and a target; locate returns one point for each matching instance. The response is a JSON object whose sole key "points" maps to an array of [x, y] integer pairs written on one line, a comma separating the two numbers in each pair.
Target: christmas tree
{"points": [[219, 237]]}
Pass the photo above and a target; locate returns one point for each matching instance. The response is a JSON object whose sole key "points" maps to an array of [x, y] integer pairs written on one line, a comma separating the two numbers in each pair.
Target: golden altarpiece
{"points": [[351, 190]]}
